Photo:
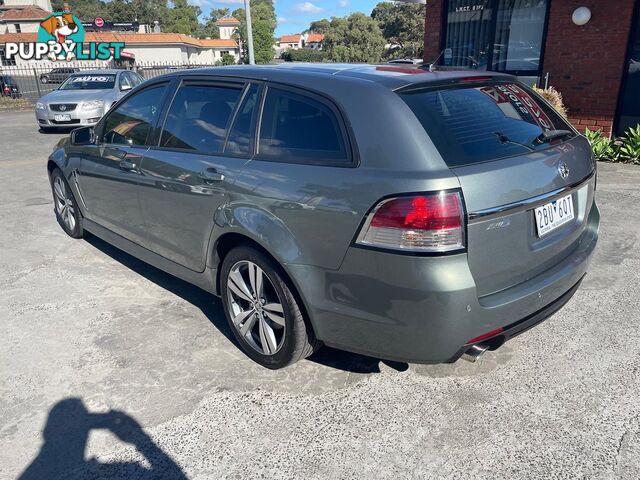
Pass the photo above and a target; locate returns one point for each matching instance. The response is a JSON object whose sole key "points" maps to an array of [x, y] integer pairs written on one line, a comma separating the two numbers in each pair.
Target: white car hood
{"points": [[76, 96]]}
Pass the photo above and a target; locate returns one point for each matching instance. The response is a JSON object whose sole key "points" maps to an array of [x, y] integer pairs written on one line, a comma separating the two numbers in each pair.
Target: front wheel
{"points": [[262, 311], [65, 205]]}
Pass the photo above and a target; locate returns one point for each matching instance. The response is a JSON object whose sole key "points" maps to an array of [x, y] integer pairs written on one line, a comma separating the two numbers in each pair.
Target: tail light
{"points": [[423, 223]]}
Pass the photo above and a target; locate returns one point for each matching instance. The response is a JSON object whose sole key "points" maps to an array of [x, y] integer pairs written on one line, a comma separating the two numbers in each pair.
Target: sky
{"points": [[295, 15]]}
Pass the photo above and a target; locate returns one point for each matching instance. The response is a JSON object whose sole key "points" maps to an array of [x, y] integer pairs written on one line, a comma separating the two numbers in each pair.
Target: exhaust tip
{"points": [[474, 352]]}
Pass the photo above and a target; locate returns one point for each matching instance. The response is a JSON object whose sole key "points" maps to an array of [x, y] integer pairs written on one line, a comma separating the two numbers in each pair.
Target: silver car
{"points": [[406, 215], [84, 98]]}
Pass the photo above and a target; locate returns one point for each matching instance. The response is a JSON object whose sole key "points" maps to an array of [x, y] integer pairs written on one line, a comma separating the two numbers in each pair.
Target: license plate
{"points": [[62, 117], [554, 214]]}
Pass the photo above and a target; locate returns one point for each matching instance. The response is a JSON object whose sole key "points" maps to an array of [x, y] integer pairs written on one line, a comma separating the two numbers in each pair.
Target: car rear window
{"points": [[479, 123]]}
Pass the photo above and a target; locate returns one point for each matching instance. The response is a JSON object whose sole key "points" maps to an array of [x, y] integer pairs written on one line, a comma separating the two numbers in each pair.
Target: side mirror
{"points": [[124, 88], [82, 136]]}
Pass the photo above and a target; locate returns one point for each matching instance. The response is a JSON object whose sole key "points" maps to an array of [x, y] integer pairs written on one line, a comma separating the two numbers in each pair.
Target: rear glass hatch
{"points": [[516, 159]]}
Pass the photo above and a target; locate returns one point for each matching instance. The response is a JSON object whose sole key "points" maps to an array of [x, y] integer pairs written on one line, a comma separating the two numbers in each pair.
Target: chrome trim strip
{"points": [[528, 204]]}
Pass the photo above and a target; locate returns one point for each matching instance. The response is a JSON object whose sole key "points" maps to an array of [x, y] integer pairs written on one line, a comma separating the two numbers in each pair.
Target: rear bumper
{"points": [[426, 309], [521, 326]]}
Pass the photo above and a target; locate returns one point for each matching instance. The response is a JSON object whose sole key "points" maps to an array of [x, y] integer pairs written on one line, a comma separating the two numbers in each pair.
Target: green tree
{"points": [[263, 18], [85, 10], [228, 59], [402, 25], [120, 11], [181, 18], [149, 11], [356, 38], [303, 55], [319, 26]]}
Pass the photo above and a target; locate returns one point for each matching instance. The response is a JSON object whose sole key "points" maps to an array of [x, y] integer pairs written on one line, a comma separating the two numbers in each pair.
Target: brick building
{"points": [[590, 54]]}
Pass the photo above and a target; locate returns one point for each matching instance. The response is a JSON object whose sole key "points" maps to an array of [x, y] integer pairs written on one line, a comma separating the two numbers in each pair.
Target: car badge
{"points": [[64, 107], [563, 170]]}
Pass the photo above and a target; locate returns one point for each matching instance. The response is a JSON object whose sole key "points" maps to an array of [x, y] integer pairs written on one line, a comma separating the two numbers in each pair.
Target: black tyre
{"points": [[65, 205], [262, 311]]}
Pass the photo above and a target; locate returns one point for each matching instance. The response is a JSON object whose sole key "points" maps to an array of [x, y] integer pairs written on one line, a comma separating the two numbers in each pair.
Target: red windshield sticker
{"points": [[516, 103]]}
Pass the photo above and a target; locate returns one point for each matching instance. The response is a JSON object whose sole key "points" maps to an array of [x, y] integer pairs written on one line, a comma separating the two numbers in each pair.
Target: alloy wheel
{"points": [[64, 203], [255, 307]]}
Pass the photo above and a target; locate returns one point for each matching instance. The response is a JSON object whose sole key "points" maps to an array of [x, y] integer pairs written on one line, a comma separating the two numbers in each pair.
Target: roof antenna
{"points": [[432, 67]]}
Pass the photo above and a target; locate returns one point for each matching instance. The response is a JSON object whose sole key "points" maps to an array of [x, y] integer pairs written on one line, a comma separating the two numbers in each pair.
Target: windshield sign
{"points": [[89, 82]]}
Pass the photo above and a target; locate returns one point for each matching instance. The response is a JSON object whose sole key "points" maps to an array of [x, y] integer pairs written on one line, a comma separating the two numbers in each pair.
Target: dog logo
{"points": [[61, 37], [60, 26], [64, 29]]}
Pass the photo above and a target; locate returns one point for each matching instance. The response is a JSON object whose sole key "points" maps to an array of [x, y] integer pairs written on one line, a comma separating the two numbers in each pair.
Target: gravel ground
{"points": [[110, 368]]}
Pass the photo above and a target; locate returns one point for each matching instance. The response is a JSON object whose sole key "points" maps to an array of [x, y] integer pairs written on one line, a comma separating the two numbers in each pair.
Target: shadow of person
{"points": [[62, 454]]}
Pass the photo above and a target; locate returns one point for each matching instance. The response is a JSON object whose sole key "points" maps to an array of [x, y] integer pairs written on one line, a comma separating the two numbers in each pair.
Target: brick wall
{"points": [[432, 29], [586, 63]]}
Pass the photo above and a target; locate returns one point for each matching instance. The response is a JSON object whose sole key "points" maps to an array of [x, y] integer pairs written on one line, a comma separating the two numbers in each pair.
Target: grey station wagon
{"points": [[403, 214]]}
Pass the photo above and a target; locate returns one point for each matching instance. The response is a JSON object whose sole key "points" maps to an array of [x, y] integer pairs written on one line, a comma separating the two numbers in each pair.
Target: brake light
{"points": [[422, 223], [477, 78]]}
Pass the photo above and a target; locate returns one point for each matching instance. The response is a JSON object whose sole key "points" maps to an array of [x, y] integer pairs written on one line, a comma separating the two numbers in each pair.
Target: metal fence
{"points": [[34, 81]]}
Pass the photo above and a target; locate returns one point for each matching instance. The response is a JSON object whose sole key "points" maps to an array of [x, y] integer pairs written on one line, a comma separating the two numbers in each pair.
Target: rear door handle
{"points": [[210, 175], [128, 165]]}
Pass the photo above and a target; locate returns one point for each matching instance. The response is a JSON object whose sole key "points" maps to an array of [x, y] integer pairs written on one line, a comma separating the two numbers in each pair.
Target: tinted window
{"points": [[299, 128], [239, 141], [501, 35], [198, 117], [477, 124], [132, 121]]}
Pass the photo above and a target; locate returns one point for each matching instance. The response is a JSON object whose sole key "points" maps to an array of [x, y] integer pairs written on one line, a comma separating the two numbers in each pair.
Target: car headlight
{"points": [[93, 105], [40, 106]]}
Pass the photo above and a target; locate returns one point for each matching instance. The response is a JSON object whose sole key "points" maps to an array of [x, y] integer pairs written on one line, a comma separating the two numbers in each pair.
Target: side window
{"points": [[240, 138], [133, 120], [135, 79], [301, 129], [199, 116], [124, 81]]}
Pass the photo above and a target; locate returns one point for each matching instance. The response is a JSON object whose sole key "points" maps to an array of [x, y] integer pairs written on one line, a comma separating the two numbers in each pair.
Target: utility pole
{"points": [[247, 11]]}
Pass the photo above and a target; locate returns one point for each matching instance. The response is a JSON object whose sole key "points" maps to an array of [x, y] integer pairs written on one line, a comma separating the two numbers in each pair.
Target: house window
{"points": [[497, 35], [224, 52], [3, 58], [17, 27]]}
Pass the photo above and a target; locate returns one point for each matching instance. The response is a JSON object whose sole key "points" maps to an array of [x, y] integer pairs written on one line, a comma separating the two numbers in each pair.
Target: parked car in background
{"points": [[84, 98], [418, 217], [57, 75], [9, 87]]}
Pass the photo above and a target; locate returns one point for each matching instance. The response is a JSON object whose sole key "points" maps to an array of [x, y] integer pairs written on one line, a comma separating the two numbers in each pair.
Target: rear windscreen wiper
{"points": [[549, 135], [502, 138]]}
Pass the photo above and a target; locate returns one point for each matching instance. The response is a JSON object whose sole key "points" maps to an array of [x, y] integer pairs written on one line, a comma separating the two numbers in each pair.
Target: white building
{"points": [[227, 27], [290, 41], [313, 41], [18, 16]]}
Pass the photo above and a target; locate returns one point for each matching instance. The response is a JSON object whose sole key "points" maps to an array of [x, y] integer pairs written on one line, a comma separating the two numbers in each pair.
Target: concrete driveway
{"points": [[112, 369]]}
